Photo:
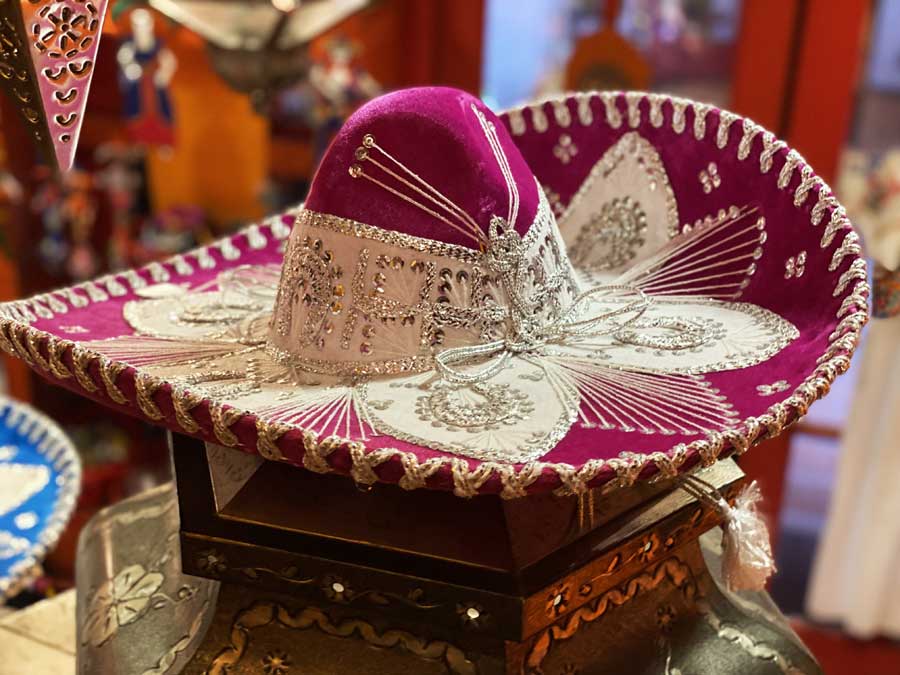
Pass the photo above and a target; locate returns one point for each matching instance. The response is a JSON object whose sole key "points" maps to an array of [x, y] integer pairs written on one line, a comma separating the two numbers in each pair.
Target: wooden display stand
{"points": [[336, 579]]}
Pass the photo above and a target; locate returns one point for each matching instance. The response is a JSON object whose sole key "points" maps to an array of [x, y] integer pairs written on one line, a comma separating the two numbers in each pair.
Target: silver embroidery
{"points": [[667, 334], [565, 149], [709, 178], [616, 359], [795, 266], [612, 237], [410, 300], [774, 388], [474, 408], [632, 147]]}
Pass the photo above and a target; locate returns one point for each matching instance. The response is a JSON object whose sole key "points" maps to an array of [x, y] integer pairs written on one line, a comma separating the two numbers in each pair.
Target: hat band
{"points": [[355, 299]]}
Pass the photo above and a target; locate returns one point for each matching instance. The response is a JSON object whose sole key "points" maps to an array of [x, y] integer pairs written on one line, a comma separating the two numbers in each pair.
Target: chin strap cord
{"points": [[747, 561]]}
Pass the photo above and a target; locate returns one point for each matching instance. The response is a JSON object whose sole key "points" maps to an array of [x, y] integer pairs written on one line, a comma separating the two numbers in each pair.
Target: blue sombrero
{"points": [[40, 476]]}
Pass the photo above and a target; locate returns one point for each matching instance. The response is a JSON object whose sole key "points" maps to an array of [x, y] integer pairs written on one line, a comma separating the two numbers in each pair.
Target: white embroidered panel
{"points": [[689, 336], [624, 211], [356, 299], [490, 354], [514, 417]]}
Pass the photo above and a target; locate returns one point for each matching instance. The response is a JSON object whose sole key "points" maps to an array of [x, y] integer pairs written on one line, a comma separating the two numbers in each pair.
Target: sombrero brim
{"points": [[810, 273]]}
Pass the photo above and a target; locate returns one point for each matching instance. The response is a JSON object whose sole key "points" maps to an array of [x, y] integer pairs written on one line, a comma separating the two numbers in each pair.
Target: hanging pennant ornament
{"points": [[47, 54]]}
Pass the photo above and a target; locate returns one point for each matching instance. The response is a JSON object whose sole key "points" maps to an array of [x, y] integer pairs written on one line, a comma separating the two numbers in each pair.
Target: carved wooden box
{"points": [[338, 579]]}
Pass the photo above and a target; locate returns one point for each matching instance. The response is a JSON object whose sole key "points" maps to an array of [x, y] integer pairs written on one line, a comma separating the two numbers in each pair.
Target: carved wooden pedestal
{"points": [[289, 573], [322, 577]]}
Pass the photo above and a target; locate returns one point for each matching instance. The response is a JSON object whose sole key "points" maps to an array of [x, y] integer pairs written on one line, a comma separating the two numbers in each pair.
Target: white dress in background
{"points": [[856, 576]]}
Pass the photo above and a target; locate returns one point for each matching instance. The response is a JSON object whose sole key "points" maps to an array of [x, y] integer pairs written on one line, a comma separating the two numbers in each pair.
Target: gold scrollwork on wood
{"points": [[671, 569], [262, 614]]}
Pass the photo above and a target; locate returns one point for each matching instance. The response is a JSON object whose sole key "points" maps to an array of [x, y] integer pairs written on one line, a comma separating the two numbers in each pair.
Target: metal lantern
{"points": [[260, 46]]}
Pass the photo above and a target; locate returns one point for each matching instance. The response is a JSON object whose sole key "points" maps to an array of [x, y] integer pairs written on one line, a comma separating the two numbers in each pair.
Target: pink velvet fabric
{"points": [[807, 302], [433, 132]]}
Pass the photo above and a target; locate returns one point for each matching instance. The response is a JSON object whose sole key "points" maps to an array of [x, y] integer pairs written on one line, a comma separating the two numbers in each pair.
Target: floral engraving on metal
{"points": [[120, 601], [134, 605]]}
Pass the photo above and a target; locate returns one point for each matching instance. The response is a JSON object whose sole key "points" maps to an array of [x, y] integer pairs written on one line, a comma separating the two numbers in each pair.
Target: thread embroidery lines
{"points": [[457, 350]]}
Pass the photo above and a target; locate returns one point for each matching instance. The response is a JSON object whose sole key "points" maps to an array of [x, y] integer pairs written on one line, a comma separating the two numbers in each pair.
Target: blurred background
{"points": [[206, 114]]}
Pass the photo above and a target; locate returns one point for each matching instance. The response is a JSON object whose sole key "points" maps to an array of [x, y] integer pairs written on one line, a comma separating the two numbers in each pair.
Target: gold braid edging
{"points": [[794, 175]]}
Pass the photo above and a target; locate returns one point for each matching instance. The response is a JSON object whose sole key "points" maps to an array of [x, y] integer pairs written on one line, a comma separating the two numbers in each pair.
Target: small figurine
{"points": [[146, 69]]}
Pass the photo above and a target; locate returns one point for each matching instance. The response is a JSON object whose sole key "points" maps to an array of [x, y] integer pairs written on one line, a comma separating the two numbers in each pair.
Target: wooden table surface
{"points": [[39, 640]]}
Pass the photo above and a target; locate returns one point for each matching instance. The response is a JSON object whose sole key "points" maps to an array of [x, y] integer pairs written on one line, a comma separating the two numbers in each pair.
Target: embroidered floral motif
{"points": [[631, 167], [612, 237], [474, 409], [795, 266], [709, 178], [669, 334], [565, 149], [774, 388]]}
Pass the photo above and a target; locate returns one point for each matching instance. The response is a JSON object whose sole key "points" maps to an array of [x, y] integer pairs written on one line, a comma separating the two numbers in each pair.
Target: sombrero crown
{"points": [[424, 324], [396, 254]]}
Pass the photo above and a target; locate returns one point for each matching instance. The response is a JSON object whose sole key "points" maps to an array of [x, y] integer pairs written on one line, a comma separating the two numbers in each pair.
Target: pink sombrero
{"points": [[587, 291]]}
